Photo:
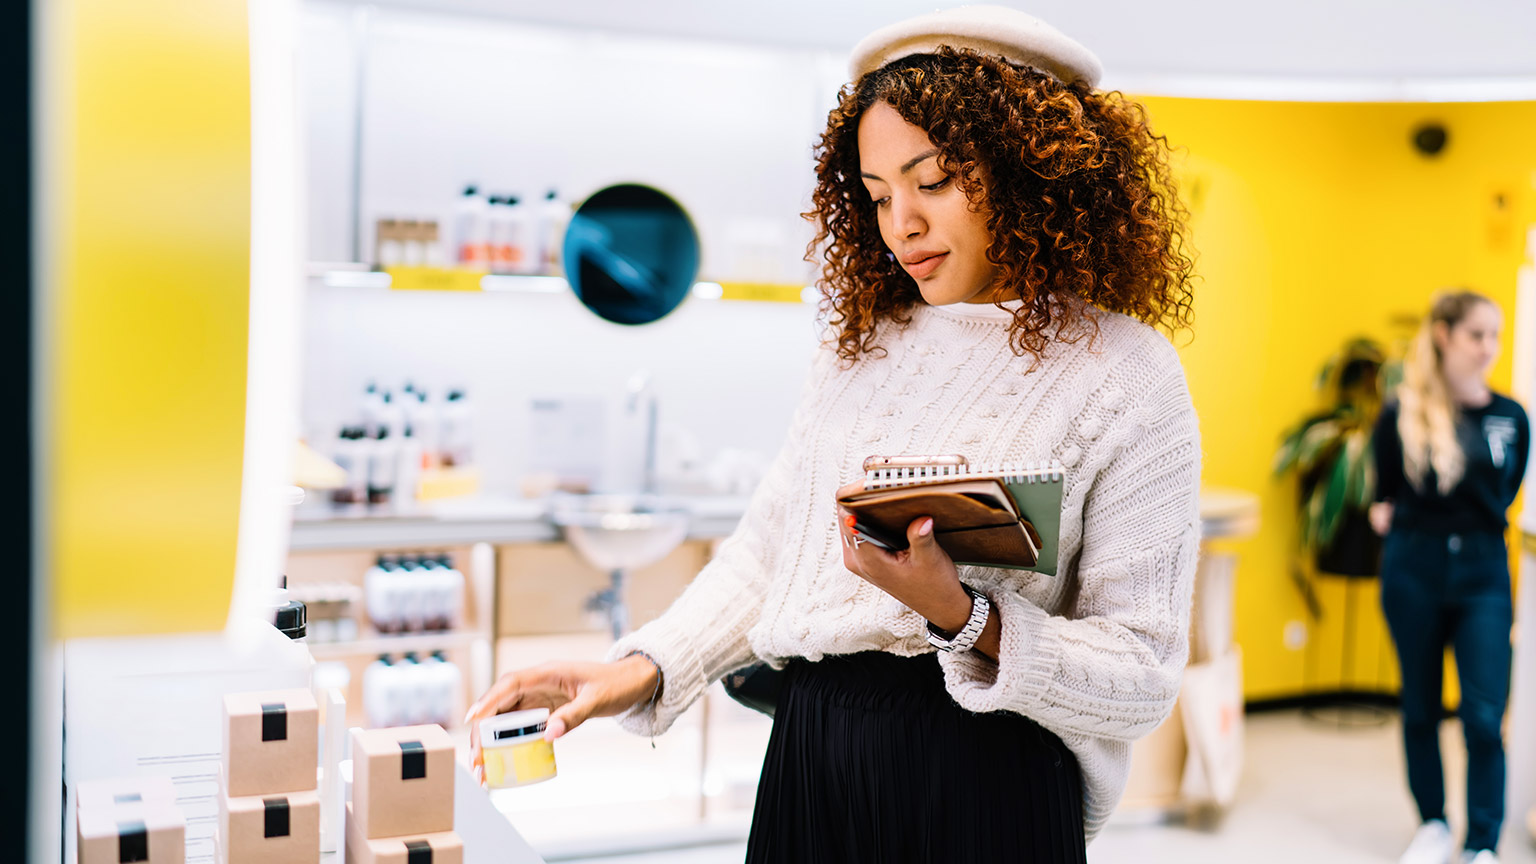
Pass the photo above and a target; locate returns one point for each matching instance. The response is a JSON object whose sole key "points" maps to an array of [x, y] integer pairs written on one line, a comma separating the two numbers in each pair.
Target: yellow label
{"points": [[433, 279], [438, 483], [761, 292], [520, 764]]}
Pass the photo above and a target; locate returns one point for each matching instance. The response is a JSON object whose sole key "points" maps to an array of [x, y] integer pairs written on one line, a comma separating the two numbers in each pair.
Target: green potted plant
{"points": [[1330, 455]]}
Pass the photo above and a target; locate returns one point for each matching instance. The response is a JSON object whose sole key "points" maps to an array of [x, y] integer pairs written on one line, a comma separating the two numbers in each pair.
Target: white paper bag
{"points": [[1212, 705]]}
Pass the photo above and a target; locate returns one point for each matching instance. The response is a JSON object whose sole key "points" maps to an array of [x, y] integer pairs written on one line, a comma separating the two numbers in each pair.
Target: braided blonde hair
{"points": [[1426, 419]]}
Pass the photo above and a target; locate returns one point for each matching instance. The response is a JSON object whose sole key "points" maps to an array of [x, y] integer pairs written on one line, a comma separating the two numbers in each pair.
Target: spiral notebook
{"points": [[995, 516]]}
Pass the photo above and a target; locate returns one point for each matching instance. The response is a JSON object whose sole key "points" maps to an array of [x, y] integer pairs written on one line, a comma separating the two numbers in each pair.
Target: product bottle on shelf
{"points": [[499, 233], [370, 408], [453, 601], [408, 472], [449, 681], [553, 216], [376, 688], [410, 594], [383, 462], [413, 686], [456, 434], [422, 414], [414, 245], [377, 593], [471, 229], [351, 455], [391, 412], [522, 237]]}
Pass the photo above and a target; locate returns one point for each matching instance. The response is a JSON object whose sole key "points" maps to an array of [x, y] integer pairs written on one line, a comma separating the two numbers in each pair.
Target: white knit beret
{"points": [[1017, 37]]}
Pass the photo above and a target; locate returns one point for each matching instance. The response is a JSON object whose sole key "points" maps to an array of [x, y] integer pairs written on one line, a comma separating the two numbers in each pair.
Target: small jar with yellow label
{"points": [[514, 749]]}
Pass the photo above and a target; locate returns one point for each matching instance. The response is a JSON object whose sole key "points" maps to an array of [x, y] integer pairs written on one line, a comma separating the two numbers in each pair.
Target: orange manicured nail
{"points": [[850, 520]]}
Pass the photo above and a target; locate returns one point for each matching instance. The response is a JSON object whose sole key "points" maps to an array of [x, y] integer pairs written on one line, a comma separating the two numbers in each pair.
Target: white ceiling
{"points": [[1355, 40]]}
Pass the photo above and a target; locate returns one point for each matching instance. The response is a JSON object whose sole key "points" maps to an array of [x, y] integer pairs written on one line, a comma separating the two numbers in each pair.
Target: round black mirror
{"points": [[631, 254]]}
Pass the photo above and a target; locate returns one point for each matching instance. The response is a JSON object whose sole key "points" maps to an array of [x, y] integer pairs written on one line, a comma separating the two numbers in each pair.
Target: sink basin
{"points": [[620, 532]]}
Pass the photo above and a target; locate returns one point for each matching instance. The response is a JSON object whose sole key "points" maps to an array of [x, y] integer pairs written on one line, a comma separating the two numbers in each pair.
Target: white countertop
{"points": [[476, 519]]}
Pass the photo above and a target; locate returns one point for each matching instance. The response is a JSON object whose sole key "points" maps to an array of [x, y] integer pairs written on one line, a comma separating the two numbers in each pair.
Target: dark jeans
{"points": [[1438, 590]]}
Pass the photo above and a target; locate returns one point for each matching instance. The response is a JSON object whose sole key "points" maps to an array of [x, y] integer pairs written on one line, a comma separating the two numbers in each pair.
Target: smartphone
{"points": [[874, 463]]}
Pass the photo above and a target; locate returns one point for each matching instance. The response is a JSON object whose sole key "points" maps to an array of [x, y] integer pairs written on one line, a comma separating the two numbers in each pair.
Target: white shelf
{"points": [[387, 643], [479, 521]]}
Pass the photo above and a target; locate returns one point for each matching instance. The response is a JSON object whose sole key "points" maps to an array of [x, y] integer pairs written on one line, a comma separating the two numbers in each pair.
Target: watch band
{"points": [[965, 640]]}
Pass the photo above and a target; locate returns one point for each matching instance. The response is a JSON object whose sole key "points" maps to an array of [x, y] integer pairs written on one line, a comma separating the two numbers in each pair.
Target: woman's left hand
{"points": [[922, 576]]}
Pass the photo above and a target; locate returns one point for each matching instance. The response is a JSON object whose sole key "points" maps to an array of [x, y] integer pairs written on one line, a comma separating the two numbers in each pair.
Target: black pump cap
{"points": [[550, 195], [293, 619], [471, 189]]}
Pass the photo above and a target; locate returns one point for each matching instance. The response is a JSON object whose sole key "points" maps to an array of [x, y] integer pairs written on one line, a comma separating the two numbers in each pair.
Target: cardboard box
{"points": [[270, 829], [122, 791], [402, 781], [441, 848], [271, 742], [150, 831]]}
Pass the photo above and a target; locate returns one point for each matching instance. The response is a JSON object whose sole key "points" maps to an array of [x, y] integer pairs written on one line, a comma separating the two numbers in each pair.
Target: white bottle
{"points": [[408, 472], [446, 680], [370, 408], [351, 456], [453, 601], [383, 463], [391, 412], [415, 689], [554, 214], [457, 432], [422, 415], [453, 686], [499, 233], [411, 597], [521, 236], [376, 597], [471, 230], [377, 679]]}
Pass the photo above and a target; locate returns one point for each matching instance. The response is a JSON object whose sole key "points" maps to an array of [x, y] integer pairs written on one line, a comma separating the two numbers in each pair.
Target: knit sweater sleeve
{"points": [[703, 634], [1111, 667]]}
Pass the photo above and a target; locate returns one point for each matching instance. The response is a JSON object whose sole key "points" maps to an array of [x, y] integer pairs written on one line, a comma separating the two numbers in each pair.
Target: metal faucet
{"points": [[640, 393]]}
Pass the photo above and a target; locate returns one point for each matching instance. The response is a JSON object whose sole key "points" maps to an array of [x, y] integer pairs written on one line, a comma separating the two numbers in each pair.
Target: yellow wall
{"points": [[1315, 223], [145, 301]]}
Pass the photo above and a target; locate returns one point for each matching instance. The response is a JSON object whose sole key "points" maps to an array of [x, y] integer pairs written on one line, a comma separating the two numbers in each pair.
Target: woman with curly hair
{"points": [[1000, 243]]}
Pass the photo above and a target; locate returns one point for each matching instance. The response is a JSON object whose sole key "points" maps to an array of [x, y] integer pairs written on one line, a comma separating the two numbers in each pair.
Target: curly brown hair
{"points": [[1074, 184]]}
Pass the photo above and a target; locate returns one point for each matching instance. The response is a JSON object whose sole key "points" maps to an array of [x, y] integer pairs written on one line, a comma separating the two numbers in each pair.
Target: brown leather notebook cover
{"points": [[975, 521]]}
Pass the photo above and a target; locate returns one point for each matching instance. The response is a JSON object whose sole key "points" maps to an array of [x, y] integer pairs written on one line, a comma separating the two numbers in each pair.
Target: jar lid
{"points": [[514, 724]]}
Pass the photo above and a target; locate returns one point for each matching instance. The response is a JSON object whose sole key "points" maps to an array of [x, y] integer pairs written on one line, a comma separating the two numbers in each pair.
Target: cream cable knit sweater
{"points": [[1095, 653]]}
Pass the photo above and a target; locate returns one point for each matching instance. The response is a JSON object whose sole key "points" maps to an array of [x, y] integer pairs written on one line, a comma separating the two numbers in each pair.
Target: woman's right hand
{"points": [[573, 692], [1381, 517]]}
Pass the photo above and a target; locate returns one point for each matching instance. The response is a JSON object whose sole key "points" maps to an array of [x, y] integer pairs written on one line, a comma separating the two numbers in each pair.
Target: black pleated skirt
{"points": [[871, 760]]}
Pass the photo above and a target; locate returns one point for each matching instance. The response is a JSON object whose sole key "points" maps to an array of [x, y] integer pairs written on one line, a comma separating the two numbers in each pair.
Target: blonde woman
{"points": [[1450, 455]]}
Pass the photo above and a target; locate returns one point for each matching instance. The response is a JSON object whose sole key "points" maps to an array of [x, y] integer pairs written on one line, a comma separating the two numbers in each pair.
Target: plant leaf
{"points": [[1333, 490]]}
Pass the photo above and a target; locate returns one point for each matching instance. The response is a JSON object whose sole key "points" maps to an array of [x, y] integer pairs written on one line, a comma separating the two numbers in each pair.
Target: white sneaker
{"points": [[1485, 856], [1432, 844]]}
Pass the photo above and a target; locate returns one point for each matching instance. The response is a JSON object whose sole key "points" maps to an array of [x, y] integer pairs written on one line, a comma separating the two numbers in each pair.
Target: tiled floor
{"points": [[1310, 793]]}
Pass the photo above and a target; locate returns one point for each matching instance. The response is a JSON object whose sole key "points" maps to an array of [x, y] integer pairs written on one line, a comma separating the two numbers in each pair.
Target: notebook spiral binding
{"points": [[888, 478]]}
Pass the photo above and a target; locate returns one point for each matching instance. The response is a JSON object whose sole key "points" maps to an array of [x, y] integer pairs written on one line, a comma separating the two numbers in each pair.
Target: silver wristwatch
{"points": [[965, 640]]}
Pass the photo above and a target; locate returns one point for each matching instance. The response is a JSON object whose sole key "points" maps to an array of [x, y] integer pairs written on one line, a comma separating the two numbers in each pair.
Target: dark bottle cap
{"points": [[293, 619]]}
